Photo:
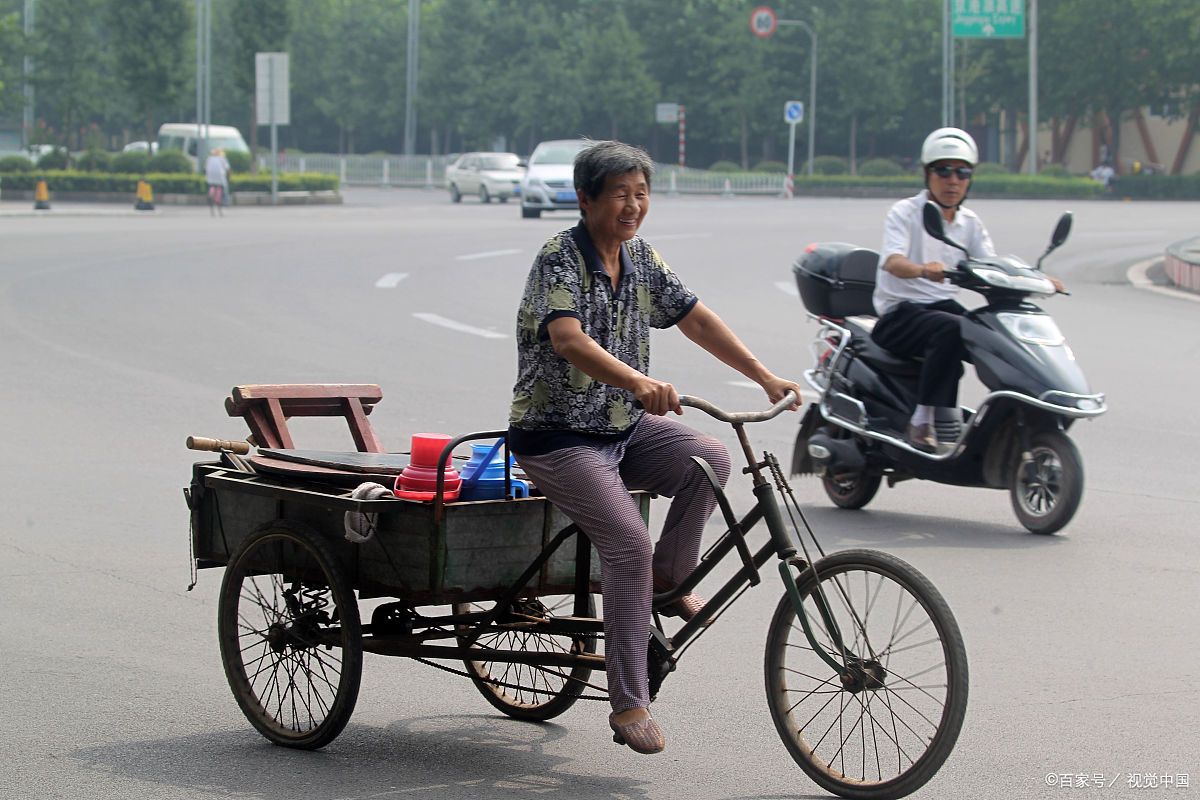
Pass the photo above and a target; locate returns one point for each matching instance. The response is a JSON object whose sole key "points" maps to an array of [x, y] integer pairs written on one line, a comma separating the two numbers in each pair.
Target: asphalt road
{"points": [[120, 335]]}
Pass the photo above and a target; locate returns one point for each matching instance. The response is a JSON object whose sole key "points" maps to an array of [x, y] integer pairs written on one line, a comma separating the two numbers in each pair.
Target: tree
{"points": [[72, 64], [259, 26], [148, 37], [11, 50]]}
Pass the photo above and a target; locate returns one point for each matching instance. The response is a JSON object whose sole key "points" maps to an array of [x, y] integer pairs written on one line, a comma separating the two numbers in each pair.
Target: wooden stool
{"points": [[267, 407]]}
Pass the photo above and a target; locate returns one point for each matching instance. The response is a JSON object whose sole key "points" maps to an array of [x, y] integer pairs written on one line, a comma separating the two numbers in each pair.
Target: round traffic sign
{"points": [[763, 21]]}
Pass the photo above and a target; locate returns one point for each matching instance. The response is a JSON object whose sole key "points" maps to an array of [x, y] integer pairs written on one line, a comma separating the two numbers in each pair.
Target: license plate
{"points": [[566, 197]]}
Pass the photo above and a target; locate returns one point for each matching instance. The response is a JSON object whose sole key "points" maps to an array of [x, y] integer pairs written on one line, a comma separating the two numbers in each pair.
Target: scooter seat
{"points": [[886, 360]]}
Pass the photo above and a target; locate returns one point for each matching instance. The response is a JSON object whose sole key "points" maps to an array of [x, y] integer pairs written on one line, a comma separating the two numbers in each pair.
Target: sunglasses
{"points": [[963, 173]]}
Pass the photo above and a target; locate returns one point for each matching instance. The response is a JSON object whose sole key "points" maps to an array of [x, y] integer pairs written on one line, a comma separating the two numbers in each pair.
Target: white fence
{"points": [[429, 172]]}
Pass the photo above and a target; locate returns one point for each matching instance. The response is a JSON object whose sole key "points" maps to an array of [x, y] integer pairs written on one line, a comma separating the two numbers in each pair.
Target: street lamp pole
{"points": [[812, 86]]}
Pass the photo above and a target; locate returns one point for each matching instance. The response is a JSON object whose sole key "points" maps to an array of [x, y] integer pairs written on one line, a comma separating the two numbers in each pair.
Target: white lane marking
{"points": [[744, 384], [488, 254], [787, 287], [458, 326], [391, 280]]}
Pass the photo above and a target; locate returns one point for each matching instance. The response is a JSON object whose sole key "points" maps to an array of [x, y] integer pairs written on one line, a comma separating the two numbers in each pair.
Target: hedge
{"points": [[1158, 187], [162, 183]]}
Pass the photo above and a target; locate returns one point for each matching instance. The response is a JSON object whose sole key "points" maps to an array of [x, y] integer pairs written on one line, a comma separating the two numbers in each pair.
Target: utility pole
{"points": [[410, 89], [1033, 86], [27, 73]]}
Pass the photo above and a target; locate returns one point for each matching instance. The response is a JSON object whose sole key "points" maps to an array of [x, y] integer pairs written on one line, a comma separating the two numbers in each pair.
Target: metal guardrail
{"points": [[429, 172]]}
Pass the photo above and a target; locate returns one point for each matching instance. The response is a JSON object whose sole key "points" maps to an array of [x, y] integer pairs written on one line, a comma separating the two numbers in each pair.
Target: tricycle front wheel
{"points": [[882, 724], [290, 636], [528, 691]]}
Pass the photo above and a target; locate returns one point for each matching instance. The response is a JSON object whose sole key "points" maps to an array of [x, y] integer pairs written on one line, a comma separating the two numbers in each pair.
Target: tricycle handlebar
{"points": [[738, 417], [217, 445]]}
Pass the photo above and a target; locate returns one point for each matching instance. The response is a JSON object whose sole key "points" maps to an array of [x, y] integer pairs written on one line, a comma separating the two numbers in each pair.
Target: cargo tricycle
{"points": [[865, 668]]}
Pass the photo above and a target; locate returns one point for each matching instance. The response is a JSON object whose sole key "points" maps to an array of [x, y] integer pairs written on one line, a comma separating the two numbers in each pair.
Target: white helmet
{"points": [[949, 143]]}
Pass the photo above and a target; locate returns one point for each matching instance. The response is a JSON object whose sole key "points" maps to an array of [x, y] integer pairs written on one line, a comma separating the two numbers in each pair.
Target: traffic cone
{"points": [[145, 196], [41, 197]]}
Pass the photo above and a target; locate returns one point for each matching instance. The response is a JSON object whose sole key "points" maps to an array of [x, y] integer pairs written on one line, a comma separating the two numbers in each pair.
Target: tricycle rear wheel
{"points": [[291, 639], [528, 691]]}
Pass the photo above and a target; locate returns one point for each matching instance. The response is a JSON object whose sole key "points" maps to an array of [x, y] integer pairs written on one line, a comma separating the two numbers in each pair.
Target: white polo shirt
{"points": [[904, 234]]}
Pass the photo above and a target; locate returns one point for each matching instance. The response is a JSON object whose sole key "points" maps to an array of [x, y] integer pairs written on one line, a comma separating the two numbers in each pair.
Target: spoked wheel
{"points": [[290, 636], [1046, 488], [529, 691], [882, 724]]}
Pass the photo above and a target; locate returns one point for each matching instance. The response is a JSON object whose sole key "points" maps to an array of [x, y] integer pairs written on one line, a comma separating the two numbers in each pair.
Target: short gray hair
{"points": [[599, 160]]}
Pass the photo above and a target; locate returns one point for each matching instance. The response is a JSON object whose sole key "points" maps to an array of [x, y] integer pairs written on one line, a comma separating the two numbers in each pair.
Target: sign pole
{"points": [[274, 135], [1033, 87], [789, 191], [682, 138]]}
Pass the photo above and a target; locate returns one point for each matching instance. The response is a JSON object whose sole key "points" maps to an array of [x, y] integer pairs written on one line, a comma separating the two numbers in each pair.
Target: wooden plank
{"points": [[360, 427], [279, 391], [279, 422]]}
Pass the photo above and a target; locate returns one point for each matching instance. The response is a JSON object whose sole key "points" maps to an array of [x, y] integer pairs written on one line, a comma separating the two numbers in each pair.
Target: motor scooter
{"points": [[853, 435]]}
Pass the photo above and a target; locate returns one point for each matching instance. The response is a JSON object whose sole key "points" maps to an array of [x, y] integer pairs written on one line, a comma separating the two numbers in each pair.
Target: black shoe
{"points": [[923, 437]]}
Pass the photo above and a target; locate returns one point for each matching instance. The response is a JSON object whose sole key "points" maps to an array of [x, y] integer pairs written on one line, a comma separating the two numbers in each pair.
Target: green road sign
{"points": [[988, 19]]}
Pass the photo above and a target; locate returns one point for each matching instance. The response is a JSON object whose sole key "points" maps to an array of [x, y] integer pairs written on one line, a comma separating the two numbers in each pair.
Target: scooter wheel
{"points": [[851, 490], [1046, 487]]}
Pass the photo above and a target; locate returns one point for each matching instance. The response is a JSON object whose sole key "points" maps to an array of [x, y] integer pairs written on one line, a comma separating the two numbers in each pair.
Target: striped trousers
{"points": [[591, 486]]}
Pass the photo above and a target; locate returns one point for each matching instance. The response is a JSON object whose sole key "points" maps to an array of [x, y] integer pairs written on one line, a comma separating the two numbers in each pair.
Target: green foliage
{"points": [[1158, 187], [991, 168], [73, 66], [1034, 186], [1054, 171], [725, 166], [879, 167], [55, 159], [170, 161], [771, 166], [162, 183], [94, 161], [131, 162], [15, 164], [238, 161], [149, 39], [829, 165]]}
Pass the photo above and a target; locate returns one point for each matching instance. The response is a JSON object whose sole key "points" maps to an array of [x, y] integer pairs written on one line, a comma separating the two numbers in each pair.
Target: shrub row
{"points": [[127, 162], [1158, 187], [163, 183]]}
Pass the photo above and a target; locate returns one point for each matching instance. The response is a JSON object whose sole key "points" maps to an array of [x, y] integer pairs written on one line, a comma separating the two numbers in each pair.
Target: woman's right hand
{"points": [[657, 397]]}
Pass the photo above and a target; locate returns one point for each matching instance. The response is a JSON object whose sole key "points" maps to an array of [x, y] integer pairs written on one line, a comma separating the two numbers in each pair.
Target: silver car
{"points": [[549, 183], [485, 174]]}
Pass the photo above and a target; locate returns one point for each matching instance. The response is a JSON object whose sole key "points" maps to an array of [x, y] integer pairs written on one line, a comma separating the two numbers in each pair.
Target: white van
{"points": [[185, 136]]}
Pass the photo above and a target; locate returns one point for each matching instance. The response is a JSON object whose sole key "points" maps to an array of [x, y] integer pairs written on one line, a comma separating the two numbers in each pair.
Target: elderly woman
{"points": [[588, 422]]}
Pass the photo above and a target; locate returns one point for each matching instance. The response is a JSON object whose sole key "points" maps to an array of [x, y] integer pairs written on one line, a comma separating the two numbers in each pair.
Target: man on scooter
{"points": [[918, 315]]}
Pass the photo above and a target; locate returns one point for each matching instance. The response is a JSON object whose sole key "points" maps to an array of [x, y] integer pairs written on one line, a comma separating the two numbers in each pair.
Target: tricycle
{"points": [[865, 667]]}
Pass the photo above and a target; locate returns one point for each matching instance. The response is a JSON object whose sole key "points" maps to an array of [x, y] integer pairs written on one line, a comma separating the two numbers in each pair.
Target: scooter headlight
{"points": [[1033, 328]]}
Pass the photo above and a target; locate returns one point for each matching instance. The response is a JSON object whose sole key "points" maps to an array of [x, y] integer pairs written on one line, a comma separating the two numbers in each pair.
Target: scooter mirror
{"points": [[931, 216], [1061, 231], [933, 222]]}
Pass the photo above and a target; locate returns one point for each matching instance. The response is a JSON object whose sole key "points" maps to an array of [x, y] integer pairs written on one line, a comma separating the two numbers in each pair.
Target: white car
{"points": [[141, 146], [485, 174], [549, 183]]}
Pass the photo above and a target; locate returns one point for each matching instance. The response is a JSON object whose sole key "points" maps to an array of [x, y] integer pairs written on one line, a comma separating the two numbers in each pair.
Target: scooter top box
{"points": [[837, 279]]}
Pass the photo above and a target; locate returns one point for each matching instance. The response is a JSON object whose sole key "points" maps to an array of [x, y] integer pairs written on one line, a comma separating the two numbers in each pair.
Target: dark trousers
{"points": [[931, 331]]}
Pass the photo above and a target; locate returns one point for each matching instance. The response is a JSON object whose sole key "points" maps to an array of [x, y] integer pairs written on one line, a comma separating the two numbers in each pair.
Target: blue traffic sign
{"points": [[793, 112]]}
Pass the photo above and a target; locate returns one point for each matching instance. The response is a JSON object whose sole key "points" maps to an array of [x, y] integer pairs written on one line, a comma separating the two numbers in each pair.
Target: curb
{"points": [[1138, 278]]}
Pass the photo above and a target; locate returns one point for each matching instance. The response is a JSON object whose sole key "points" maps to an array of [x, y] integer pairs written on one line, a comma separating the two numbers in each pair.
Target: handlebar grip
{"points": [[217, 445]]}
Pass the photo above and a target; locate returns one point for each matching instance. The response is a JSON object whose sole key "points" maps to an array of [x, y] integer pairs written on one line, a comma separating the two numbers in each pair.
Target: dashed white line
{"points": [[488, 254], [787, 287], [744, 384], [458, 326], [664, 236], [391, 280]]}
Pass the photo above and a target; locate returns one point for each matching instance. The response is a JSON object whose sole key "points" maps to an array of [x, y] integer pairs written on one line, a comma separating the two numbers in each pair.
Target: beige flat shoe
{"points": [[685, 607], [641, 736]]}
